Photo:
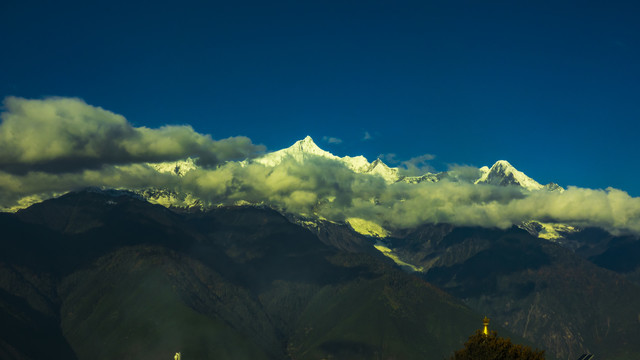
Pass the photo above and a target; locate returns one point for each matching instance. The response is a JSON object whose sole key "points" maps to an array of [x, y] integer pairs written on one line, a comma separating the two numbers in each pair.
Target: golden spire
{"points": [[485, 321]]}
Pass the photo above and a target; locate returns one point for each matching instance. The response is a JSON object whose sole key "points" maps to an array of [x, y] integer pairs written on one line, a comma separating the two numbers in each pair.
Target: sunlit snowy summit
{"points": [[502, 173], [305, 149]]}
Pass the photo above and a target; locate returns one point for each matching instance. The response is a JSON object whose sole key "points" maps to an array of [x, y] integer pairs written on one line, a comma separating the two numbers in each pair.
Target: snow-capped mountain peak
{"points": [[299, 151], [308, 146], [503, 173]]}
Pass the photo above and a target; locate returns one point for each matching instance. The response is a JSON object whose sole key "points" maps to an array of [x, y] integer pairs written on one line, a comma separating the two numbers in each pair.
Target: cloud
{"points": [[332, 140], [65, 134], [418, 165], [102, 149], [367, 136], [463, 172], [327, 188]]}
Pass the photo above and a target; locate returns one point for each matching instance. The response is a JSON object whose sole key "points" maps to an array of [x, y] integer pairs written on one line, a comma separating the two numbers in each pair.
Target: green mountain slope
{"points": [[128, 305]]}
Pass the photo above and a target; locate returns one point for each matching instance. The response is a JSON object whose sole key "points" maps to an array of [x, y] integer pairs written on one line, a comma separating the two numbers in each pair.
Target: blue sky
{"points": [[552, 87]]}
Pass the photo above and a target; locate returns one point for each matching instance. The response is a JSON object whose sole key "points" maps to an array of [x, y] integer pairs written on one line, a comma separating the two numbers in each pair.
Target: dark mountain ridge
{"points": [[539, 290], [103, 276]]}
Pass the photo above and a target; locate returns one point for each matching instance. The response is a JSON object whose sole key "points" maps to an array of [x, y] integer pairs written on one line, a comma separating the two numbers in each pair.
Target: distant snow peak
{"points": [[503, 173]]}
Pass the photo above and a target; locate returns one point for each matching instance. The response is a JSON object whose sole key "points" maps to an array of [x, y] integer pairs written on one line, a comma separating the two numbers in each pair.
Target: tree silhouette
{"points": [[492, 347]]}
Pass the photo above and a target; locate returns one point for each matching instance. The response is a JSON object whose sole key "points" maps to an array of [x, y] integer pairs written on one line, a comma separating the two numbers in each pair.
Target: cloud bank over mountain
{"points": [[52, 146], [59, 135]]}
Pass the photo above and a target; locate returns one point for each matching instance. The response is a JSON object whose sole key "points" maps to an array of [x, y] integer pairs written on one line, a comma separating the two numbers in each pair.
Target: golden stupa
{"points": [[485, 321]]}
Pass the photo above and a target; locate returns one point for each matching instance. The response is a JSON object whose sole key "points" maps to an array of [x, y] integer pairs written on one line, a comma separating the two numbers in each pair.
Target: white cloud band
{"points": [[51, 146]]}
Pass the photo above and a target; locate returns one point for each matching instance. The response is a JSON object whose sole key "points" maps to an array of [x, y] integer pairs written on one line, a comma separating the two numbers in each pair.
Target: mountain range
{"points": [[109, 273], [501, 173]]}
